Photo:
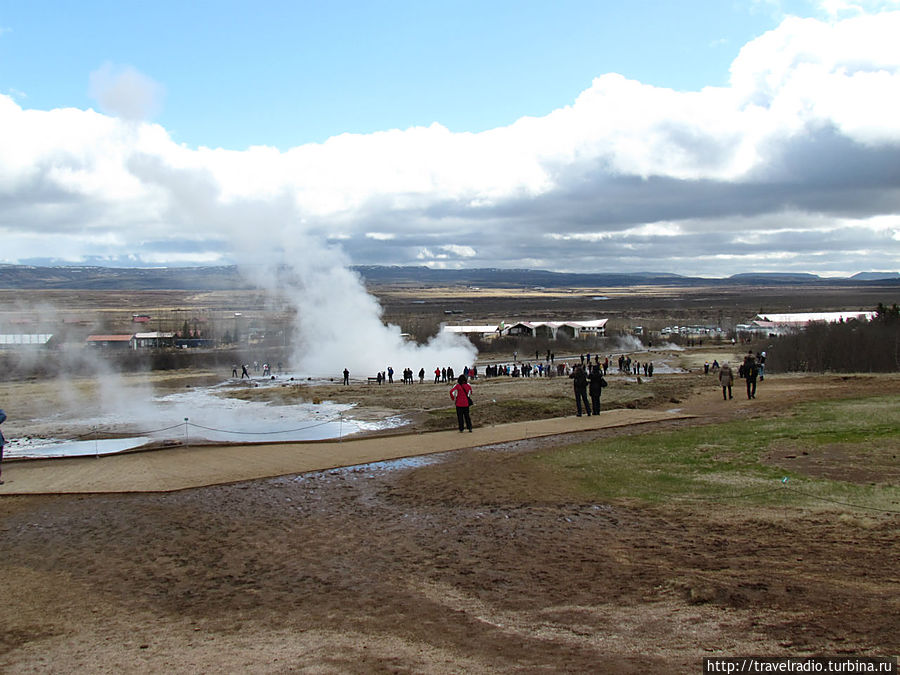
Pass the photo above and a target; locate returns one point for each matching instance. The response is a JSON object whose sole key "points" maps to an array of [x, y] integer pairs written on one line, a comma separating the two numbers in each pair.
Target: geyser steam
{"points": [[338, 323]]}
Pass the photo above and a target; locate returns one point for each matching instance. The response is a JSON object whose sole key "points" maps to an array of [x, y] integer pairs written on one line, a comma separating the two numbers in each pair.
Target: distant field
{"points": [[420, 309]]}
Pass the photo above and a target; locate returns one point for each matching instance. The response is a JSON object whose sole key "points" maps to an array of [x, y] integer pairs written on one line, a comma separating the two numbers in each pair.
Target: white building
{"points": [[784, 323], [153, 340], [25, 340], [548, 329], [802, 319], [692, 331], [488, 332]]}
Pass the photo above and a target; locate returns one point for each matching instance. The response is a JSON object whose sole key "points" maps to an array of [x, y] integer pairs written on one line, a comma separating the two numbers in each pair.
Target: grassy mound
{"points": [[831, 452]]}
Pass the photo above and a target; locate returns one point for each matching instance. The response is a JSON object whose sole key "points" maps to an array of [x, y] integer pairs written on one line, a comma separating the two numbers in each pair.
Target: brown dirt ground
{"points": [[479, 562]]}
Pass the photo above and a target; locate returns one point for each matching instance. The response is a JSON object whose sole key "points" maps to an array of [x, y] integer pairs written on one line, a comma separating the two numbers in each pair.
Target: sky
{"points": [[702, 138]]}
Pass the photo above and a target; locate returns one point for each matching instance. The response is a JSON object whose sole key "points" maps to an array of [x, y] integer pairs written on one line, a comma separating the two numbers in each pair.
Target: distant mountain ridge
{"points": [[498, 277], [230, 278], [116, 278], [875, 276]]}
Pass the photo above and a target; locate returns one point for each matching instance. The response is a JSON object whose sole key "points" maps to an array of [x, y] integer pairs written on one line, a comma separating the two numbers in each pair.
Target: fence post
{"points": [[185, 430]]}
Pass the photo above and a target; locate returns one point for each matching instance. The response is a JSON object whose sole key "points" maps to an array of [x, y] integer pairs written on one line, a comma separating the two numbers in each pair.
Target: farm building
{"points": [[692, 331], [547, 329], [110, 341], [153, 340], [555, 329], [483, 332], [801, 320], [26, 340], [781, 324], [194, 343]]}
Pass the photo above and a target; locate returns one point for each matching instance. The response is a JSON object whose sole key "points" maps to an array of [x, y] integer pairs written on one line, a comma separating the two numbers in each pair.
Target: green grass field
{"points": [[829, 452]]}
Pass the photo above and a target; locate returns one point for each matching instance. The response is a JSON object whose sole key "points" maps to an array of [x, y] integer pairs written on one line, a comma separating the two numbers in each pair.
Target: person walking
{"points": [[580, 383], [346, 376], [595, 388], [461, 393], [750, 374], [726, 379], [2, 443]]}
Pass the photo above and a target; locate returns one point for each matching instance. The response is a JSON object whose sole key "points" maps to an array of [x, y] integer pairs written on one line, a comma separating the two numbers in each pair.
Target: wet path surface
{"points": [[179, 468]]}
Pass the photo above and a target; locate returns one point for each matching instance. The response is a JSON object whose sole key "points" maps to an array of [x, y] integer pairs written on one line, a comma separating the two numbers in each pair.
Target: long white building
{"points": [[534, 328], [783, 323]]}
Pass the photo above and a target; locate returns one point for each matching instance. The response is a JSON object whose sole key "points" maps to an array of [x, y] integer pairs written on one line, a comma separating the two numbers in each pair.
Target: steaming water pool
{"points": [[197, 415], [50, 447]]}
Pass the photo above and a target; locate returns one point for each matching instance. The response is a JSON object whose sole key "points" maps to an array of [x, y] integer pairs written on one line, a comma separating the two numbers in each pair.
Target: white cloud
{"points": [[124, 92], [460, 251], [581, 236], [804, 138], [656, 230], [842, 8], [830, 9]]}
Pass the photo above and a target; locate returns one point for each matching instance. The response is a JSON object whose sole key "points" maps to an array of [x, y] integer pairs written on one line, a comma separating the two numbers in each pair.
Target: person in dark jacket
{"points": [[580, 382], [2, 443], [750, 374], [595, 388]]}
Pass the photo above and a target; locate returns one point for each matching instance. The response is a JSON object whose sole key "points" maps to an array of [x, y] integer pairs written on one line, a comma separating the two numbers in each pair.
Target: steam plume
{"points": [[338, 323]]}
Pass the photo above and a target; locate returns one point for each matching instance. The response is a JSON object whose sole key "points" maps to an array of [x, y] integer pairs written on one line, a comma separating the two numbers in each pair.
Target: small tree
{"points": [[886, 315]]}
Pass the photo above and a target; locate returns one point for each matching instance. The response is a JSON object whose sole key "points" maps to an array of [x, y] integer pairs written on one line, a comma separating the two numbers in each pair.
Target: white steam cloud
{"points": [[338, 324], [630, 343]]}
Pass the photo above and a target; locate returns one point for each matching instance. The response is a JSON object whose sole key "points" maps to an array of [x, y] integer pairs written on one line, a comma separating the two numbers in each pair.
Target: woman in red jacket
{"points": [[461, 394]]}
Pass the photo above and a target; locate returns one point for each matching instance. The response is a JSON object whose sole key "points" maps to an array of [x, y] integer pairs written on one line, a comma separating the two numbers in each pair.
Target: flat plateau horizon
{"points": [[242, 277]]}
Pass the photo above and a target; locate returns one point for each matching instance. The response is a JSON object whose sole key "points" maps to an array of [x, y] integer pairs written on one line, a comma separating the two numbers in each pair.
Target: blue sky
{"points": [[702, 138], [236, 74]]}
